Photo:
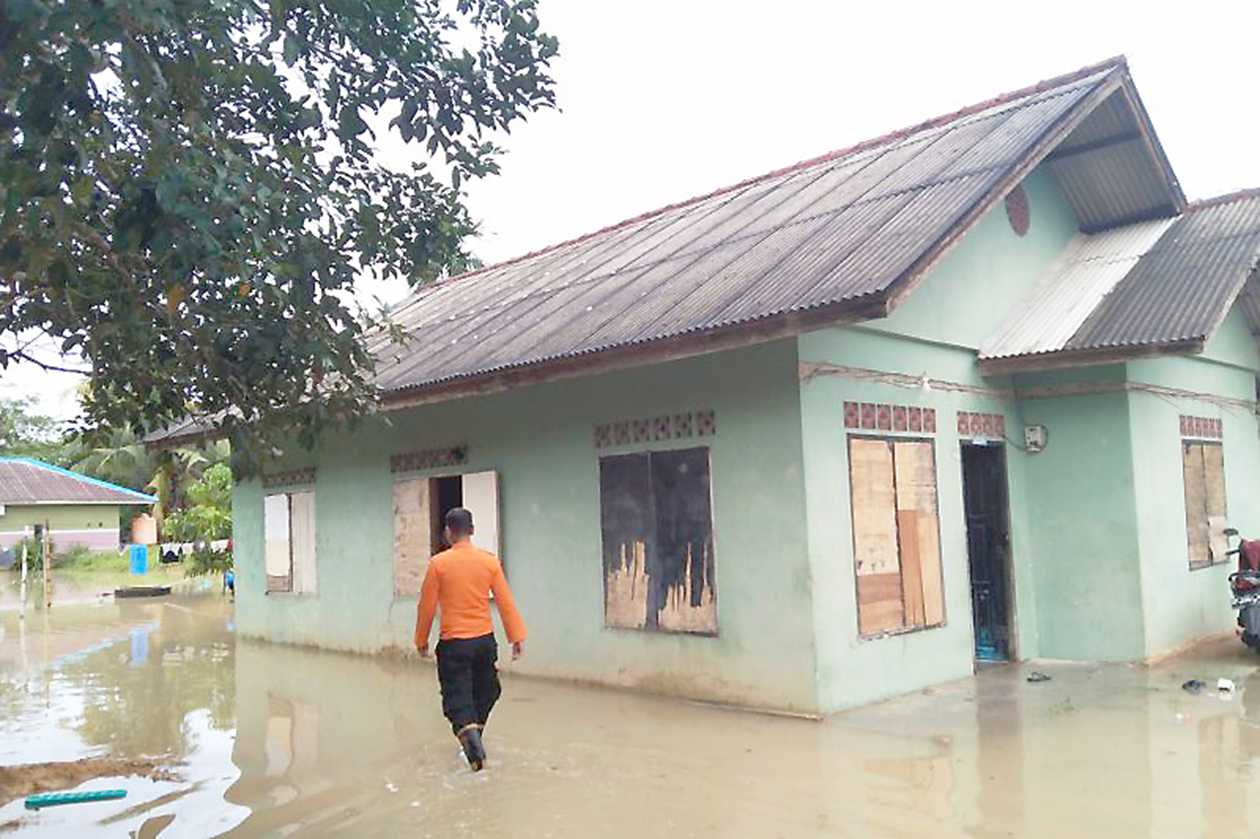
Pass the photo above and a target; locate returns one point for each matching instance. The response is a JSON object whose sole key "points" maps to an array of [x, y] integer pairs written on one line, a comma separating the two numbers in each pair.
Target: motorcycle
{"points": [[1244, 585]]}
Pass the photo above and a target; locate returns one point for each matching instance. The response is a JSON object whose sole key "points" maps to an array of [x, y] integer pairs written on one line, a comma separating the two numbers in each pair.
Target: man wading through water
{"points": [[460, 580]]}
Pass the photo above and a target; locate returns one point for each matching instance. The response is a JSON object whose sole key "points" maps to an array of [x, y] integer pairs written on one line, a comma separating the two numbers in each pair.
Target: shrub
{"points": [[206, 560], [34, 554]]}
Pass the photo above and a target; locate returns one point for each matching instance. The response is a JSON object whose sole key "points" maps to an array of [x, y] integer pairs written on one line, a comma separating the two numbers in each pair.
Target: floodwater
{"points": [[276, 741]]}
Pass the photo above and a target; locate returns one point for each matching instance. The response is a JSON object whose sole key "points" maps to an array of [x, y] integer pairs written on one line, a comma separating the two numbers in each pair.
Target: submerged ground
{"points": [[251, 739]]}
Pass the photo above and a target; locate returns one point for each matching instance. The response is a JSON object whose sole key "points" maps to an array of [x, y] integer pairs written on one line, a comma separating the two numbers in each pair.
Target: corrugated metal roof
{"points": [[1183, 287], [1147, 285], [1093, 264], [841, 229], [1105, 174], [27, 481]]}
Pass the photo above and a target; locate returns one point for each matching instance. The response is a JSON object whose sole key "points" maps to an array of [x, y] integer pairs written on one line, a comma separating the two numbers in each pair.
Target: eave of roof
{"points": [[1171, 299], [1115, 63], [401, 389], [132, 496], [1108, 80]]}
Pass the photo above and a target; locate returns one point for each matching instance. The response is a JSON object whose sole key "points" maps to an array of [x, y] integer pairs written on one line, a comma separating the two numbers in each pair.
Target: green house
{"points": [[983, 388]]}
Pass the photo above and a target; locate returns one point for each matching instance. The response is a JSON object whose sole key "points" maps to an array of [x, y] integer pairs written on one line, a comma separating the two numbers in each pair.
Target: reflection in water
{"points": [[274, 740]]}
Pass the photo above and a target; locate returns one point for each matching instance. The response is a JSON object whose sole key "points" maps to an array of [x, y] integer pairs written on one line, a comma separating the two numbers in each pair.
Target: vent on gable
{"points": [[1017, 210]]}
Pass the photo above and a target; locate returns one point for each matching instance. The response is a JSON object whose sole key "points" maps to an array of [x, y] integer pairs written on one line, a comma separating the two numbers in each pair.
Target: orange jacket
{"points": [[460, 581]]}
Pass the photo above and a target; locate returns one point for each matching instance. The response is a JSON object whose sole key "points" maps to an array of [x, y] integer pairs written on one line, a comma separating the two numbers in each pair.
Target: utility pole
{"points": [[25, 546], [47, 566]]}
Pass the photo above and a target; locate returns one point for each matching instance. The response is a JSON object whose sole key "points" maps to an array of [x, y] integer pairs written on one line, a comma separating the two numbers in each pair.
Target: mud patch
{"points": [[32, 778]]}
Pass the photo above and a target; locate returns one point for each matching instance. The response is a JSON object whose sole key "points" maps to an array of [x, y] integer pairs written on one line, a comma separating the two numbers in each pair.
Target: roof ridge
{"points": [[1113, 63], [77, 476], [1226, 198]]}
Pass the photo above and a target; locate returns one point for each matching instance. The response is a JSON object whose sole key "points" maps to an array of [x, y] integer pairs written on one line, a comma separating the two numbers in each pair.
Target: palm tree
{"points": [[126, 461]]}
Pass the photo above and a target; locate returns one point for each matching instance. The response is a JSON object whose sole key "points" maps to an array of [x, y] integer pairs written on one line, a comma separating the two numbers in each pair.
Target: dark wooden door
{"points": [[988, 548]]}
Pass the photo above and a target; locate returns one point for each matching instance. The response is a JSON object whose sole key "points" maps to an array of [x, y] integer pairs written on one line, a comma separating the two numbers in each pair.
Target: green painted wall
{"points": [[1180, 604], [1081, 518], [1107, 509], [953, 310], [540, 439], [61, 517], [1234, 344], [853, 670], [967, 297]]}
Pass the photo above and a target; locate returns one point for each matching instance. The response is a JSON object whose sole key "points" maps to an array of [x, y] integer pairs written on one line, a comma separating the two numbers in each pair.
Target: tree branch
{"points": [[24, 356]]}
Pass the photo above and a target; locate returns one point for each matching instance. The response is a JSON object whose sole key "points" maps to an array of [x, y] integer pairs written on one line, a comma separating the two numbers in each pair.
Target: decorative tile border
{"points": [[428, 459], [982, 426], [1205, 428], [668, 427], [291, 477], [870, 416]]}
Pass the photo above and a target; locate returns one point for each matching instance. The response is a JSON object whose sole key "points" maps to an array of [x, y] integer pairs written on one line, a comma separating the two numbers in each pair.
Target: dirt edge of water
{"points": [[32, 778]]}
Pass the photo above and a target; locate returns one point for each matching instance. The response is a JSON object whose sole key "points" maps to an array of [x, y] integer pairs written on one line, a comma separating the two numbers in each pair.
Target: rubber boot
{"points": [[474, 751]]}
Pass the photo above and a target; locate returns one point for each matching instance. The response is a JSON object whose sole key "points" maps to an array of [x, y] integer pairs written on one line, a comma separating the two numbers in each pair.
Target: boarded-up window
{"points": [[411, 534], [289, 542], [896, 535], [657, 526], [1203, 470], [420, 507]]}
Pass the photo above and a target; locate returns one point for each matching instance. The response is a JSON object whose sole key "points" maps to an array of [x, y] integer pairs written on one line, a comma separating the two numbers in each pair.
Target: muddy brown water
{"points": [[278, 741]]}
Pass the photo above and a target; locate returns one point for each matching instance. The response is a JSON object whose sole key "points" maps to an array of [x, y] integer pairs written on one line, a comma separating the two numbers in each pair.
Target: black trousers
{"points": [[469, 679]]}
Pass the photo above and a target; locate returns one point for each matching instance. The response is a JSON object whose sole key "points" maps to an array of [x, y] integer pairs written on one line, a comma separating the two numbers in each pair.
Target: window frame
{"points": [[287, 492], [430, 478], [1187, 443], [651, 451], [891, 440]]}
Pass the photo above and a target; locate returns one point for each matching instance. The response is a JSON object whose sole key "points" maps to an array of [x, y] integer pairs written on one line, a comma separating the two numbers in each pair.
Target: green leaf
{"points": [[206, 167], [290, 50]]}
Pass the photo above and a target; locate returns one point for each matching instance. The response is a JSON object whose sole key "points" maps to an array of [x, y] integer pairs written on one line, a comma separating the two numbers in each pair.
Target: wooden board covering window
{"points": [[879, 594], [896, 534], [412, 537], [656, 523], [1214, 493], [1203, 471], [920, 538]]}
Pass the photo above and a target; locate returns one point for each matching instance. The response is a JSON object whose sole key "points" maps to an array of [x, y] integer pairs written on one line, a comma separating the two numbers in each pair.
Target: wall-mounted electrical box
{"points": [[1034, 438]]}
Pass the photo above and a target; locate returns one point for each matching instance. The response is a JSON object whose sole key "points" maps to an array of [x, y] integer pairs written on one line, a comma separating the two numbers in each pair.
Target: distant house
{"points": [[983, 388], [77, 509]]}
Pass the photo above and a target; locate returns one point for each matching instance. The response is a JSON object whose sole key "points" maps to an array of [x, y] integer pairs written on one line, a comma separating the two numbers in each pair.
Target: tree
{"points": [[207, 514], [188, 190], [25, 432], [122, 458]]}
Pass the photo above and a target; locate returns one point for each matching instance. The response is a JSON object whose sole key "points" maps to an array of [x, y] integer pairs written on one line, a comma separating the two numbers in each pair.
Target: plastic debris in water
{"points": [[54, 799], [1038, 676]]}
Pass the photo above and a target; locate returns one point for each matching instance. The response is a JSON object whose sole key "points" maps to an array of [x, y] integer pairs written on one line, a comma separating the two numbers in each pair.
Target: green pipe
{"points": [[53, 799]]}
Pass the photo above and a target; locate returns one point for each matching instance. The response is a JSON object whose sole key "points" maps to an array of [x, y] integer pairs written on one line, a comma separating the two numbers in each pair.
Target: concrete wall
{"points": [[540, 439], [854, 670], [1107, 508], [934, 333], [1179, 604], [973, 290], [1081, 519], [92, 525]]}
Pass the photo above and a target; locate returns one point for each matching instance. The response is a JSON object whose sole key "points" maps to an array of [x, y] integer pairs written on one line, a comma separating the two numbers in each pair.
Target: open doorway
{"points": [[449, 494], [986, 507], [477, 491], [420, 507]]}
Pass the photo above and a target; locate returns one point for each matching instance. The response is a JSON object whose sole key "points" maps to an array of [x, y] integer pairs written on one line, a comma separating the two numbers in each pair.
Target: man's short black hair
{"points": [[459, 520]]}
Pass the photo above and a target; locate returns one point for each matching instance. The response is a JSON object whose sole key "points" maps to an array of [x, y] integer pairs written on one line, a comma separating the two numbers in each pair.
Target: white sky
{"points": [[664, 99]]}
